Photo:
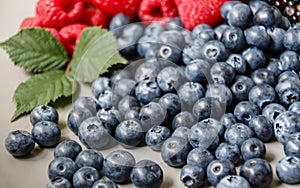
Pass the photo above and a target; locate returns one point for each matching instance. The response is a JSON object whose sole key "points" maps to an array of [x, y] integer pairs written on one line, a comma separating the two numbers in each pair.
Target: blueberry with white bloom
{"points": [[19, 143], [62, 167], [253, 148], [85, 177], [100, 85], [200, 157], [129, 133], [229, 152], [262, 127], [104, 183], [90, 157], [86, 103], [59, 182], [43, 113], [67, 148], [238, 133], [288, 170], [46, 133], [192, 176], [156, 136], [233, 181]]}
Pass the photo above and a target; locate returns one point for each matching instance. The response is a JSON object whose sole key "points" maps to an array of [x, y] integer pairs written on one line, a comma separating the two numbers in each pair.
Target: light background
{"points": [[31, 172]]}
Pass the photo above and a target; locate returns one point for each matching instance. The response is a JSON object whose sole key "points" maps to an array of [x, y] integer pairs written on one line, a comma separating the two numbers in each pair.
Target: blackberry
{"points": [[289, 8]]}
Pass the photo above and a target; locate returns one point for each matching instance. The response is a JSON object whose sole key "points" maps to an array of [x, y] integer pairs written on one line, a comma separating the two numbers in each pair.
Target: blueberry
{"points": [[108, 99], [262, 127], [288, 170], [291, 40], [295, 107], [169, 79], [284, 23], [226, 8], [62, 167], [285, 124], [208, 107], [219, 29], [187, 35], [181, 132], [257, 36], [85, 177], [255, 5], [174, 24], [146, 174], [128, 103], [244, 111], [253, 148], [218, 169], [276, 39], [132, 115], [90, 157], [146, 70], [203, 32], [189, 93], [240, 87], [124, 87], [59, 182], [129, 133], [227, 120], [258, 172], [86, 103], [104, 183], [192, 51], [274, 65], [238, 63], [67, 148], [100, 85], [93, 134], [174, 151], [43, 113], [233, 181], [154, 29], [200, 157], [183, 119], [271, 111], [197, 70], [152, 114], [46, 133], [170, 53], [147, 90], [222, 73], [268, 16], [117, 23], [19, 143], [289, 61], [240, 15], [263, 76], [228, 152], [261, 95], [288, 75], [127, 41], [220, 92], [233, 39], [254, 57], [147, 43], [237, 134], [204, 133], [76, 117], [117, 166], [171, 103], [156, 136], [119, 75], [214, 51], [110, 118], [192, 176]]}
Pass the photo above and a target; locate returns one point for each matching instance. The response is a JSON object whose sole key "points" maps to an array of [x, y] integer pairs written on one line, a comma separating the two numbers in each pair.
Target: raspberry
{"points": [[114, 7], [94, 17], [31, 22], [194, 12], [157, 10], [54, 32], [58, 13], [70, 36]]}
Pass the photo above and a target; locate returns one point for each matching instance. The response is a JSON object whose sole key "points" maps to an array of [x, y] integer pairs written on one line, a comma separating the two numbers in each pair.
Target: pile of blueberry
{"points": [[208, 100]]}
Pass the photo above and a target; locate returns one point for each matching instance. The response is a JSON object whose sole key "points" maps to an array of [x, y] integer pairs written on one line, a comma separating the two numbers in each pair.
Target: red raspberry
{"points": [[54, 32], [58, 13], [113, 7], [70, 36], [194, 12], [157, 10], [94, 17], [31, 22]]}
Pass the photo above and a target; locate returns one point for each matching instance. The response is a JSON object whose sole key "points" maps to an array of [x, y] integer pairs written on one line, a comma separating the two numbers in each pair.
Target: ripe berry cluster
{"points": [[208, 100]]}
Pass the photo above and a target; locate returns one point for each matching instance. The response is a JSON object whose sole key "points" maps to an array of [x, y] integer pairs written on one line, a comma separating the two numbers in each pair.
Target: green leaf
{"points": [[42, 89], [35, 50], [96, 51]]}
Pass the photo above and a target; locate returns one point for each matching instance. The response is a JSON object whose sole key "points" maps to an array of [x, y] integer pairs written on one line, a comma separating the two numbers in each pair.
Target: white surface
{"points": [[31, 172]]}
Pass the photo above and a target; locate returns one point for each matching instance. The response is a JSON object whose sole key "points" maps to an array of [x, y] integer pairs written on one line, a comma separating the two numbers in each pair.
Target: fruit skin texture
{"points": [[85, 177], [90, 157], [67, 148], [157, 10], [258, 172], [46, 133], [43, 113], [19, 143], [192, 176], [59, 182], [288, 170], [113, 7], [146, 174], [194, 12], [62, 167], [105, 183], [233, 181]]}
